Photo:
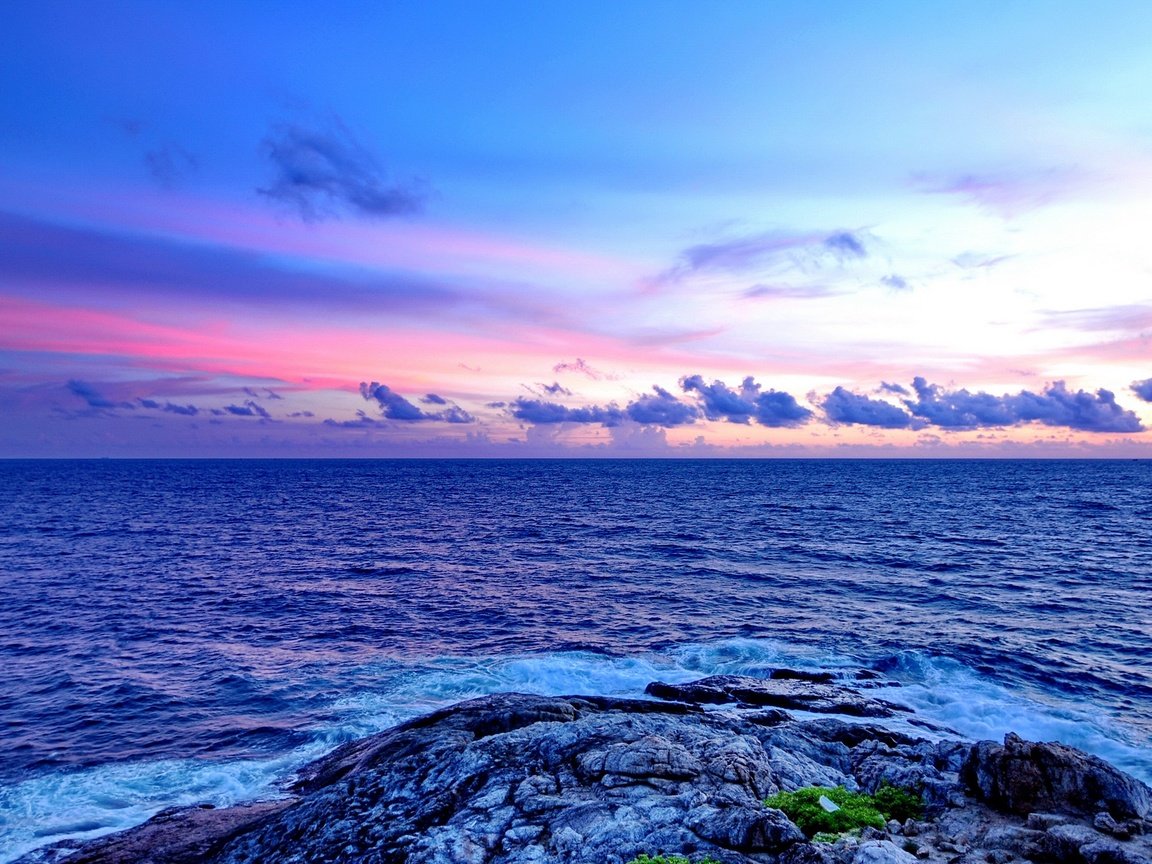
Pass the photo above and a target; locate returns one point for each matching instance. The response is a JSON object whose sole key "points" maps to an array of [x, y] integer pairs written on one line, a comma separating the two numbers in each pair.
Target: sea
{"points": [[176, 632]]}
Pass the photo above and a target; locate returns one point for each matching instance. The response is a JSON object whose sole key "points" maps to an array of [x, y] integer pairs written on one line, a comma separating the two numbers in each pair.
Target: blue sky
{"points": [[583, 207]]}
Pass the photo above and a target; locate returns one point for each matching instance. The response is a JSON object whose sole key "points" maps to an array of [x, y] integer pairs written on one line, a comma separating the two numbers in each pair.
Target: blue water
{"points": [[182, 631]]}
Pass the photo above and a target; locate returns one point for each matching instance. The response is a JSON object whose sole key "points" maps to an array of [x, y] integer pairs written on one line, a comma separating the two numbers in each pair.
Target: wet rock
{"points": [[797, 694], [1022, 776]]}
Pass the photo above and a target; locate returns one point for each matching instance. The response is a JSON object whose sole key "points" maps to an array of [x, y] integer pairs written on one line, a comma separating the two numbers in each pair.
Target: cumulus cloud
{"points": [[248, 409], [1055, 406], [1143, 389], [538, 411], [772, 408], [661, 408], [323, 173], [434, 399], [890, 387], [395, 407], [844, 406], [170, 407]]}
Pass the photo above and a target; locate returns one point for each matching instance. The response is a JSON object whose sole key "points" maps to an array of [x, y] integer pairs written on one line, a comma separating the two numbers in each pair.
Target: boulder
{"points": [[1023, 776]]}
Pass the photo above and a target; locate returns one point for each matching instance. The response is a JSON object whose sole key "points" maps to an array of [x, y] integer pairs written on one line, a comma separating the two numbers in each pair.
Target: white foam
{"points": [[83, 805]]}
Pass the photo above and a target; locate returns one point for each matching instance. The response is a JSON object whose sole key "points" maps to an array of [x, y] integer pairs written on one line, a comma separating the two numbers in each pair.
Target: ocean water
{"points": [[183, 631]]}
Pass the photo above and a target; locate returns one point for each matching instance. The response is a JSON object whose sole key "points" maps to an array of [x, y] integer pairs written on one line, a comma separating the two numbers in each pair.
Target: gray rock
{"points": [[519, 779], [881, 852], [1022, 776], [796, 694]]}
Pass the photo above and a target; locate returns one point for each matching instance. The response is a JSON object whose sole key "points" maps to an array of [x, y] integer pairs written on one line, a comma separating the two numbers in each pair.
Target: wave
{"points": [[84, 804]]}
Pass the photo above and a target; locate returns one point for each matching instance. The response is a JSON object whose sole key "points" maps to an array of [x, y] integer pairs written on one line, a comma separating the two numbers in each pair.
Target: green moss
{"points": [[897, 803], [669, 859], [857, 810]]}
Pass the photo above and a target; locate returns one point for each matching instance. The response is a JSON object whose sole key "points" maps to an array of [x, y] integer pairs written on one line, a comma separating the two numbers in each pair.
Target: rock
{"points": [[1022, 776], [1044, 821], [881, 852], [1063, 842], [1021, 842], [521, 779], [799, 694]]}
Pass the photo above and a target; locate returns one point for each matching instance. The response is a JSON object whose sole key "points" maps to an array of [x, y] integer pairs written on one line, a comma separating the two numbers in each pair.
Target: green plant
{"points": [[825, 837], [897, 803], [644, 858], [856, 809]]}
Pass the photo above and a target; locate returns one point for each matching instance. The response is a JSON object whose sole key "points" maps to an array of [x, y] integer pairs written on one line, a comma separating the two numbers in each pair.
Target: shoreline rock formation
{"points": [[521, 779]]}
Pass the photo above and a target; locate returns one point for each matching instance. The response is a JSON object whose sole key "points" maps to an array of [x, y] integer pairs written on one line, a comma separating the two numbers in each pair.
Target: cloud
{"points": [[661, 408], [896, 283], [434, 399], [1055, 406], [1006, 193], [1143, 389], [248, 409], [41, 256], [170, 164], [171, 408], [772, 408], [555, 389], [845, 244], [770, 249], [93, 397], [789, 292], [898, 389], [326, 173], [583, 368], [395, 407], [540, 412], [843, 406]]}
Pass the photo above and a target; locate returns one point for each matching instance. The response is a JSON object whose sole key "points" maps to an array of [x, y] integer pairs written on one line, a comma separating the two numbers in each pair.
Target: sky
{"points": [[508, 229]]}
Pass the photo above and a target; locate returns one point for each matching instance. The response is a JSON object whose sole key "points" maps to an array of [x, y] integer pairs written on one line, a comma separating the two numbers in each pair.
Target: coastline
{"points": [[512, 778]]}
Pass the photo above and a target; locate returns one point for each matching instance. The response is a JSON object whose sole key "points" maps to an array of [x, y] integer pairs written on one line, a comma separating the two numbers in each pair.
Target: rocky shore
{"points": [[520, 779]]}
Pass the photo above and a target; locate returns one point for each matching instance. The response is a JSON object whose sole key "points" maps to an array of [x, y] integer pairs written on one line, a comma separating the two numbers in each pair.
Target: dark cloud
{"points": [[582, 367], [272, 394], [1055, 406], [434, 399], [1143, 389], [898, 389], [555, 389], [301, 414], [248, 409], [540, 412], [93, 397], [395, 407], [326, 173], [772, 408], [170, 164], [40, 256], [661, 408], [843, 406], [170, 407]]}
